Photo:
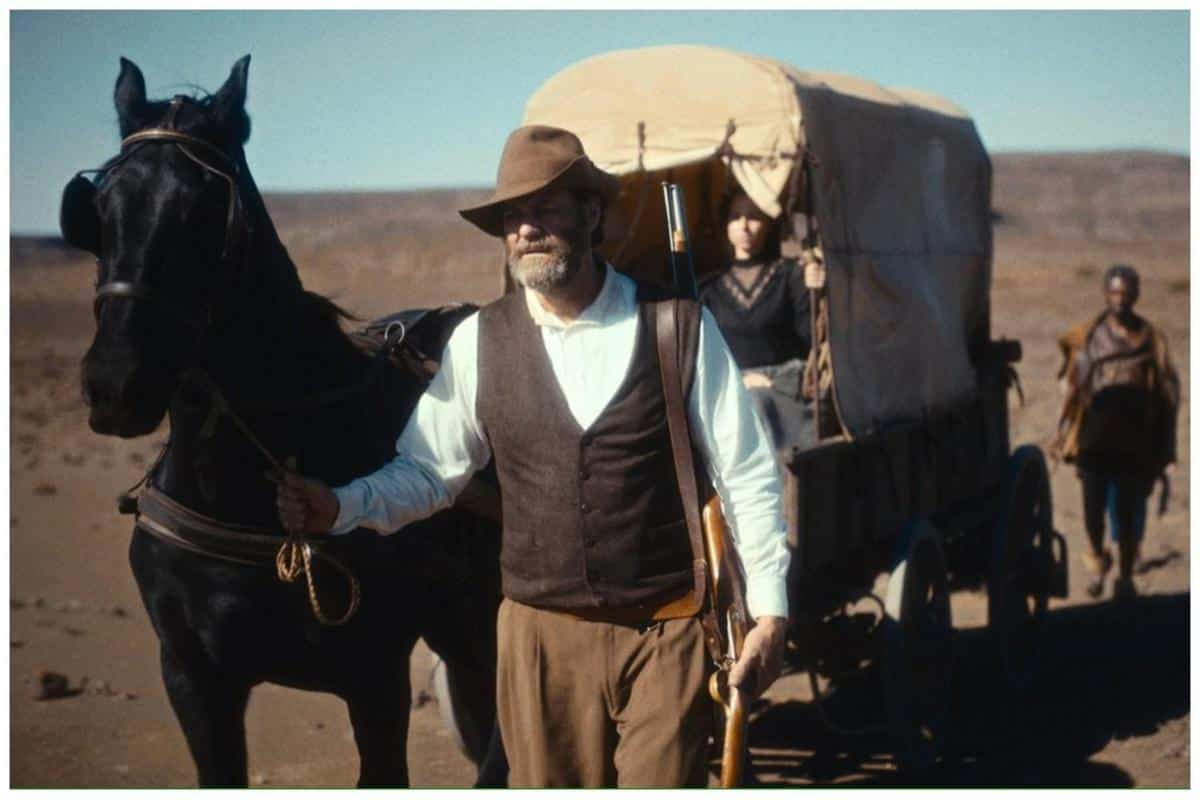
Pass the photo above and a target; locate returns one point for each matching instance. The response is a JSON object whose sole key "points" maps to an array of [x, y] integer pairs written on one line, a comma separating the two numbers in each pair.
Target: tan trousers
{"points": [[591, 704]]}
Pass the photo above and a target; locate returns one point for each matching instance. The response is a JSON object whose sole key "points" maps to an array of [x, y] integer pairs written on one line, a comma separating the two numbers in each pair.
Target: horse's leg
{"points": [[210, 706], [493, 772], [380, 721], [468, 649], [212, 712]]}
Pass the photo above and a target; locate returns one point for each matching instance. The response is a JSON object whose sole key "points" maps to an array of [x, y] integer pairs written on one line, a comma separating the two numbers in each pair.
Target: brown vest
{"points": [[592, 517]]}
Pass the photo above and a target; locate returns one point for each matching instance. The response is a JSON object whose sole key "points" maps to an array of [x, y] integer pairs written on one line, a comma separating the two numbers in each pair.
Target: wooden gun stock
{"points": [[729, 601]]}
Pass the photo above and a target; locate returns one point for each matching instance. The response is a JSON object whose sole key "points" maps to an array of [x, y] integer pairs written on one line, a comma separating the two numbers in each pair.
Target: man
{"points": [[1117, 423], [599, 682]]}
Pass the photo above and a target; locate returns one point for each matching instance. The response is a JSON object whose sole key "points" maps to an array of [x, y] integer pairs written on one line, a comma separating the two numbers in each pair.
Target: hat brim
{"points": [[579, 174]]}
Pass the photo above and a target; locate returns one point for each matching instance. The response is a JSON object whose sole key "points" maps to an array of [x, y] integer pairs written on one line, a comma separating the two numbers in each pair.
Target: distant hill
{"points": [[1117, 196]]}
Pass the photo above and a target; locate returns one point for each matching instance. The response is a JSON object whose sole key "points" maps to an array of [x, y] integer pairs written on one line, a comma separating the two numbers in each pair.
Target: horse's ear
{"points": [[129, 97], [230, 100]]}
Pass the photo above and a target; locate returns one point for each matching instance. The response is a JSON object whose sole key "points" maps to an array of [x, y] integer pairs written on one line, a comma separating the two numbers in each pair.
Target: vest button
{"points": [[586, 439], [584, 474], [584, 507]]}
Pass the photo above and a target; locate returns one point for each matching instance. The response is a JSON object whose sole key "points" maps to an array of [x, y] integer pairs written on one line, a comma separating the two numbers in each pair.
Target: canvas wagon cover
{"points": [[901, 189]]}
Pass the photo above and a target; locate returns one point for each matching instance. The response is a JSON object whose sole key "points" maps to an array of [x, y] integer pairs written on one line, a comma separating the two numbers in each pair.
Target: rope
{"points": [[295, 555], [295, 558]]}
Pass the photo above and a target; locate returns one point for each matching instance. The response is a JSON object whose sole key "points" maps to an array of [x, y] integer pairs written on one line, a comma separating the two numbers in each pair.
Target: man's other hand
{"points": [[306, 505], [762, 657]]}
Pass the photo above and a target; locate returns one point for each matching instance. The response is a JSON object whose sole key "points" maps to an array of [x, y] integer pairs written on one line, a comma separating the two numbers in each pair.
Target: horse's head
{"points": [[166, 222]]}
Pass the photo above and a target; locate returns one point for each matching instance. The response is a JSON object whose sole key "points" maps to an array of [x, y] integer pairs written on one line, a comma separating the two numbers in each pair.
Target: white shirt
{"points": [[443, 444]]}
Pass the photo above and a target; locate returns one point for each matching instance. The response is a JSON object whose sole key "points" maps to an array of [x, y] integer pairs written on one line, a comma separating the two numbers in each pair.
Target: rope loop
{"points": [[295, 558]]}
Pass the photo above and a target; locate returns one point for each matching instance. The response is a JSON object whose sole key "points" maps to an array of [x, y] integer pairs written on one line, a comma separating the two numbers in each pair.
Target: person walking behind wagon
{"points": [[1117, 424], [761, 304], [602, 665]]}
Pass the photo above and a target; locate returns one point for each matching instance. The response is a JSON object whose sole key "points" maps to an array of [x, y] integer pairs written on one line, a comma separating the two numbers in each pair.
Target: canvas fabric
{"points": [[901, 192]]}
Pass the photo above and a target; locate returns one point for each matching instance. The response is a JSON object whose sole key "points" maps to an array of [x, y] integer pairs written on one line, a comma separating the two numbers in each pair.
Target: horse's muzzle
{"points": [[126, 398]]}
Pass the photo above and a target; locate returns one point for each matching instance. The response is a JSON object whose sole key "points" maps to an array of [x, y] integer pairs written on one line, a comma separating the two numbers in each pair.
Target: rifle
{"points": [[726, 589]]}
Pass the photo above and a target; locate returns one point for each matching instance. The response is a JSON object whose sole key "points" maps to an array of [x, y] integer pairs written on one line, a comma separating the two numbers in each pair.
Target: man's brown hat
{"points": [[536, 157]]}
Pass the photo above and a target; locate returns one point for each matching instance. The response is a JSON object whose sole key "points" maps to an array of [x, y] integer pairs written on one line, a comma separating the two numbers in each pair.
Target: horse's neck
{"points": [[216, 462], [271, 352], [272, 340]]}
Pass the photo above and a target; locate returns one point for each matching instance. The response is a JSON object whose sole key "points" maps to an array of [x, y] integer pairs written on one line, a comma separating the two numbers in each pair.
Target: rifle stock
{"points": [[729, 602]]}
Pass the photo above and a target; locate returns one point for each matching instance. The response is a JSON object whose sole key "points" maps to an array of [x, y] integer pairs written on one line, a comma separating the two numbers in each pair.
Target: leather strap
{"points": [[668, 329], [167, 519], [676, 604]]}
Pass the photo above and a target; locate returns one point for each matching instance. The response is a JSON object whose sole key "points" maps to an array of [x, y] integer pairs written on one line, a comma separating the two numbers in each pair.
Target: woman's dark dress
{"points": [[768, 329]]}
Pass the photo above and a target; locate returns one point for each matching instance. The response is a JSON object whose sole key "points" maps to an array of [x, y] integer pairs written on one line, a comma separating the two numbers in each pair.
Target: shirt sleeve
{"points": [[441, 447], [742, 467]]}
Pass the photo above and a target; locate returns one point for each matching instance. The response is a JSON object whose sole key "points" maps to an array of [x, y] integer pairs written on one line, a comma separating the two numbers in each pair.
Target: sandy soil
{"points": [[1112, 708]]}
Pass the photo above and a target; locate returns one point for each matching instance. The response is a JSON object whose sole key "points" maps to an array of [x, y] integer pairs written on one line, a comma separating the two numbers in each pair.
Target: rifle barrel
{"points": [[683, 272]]}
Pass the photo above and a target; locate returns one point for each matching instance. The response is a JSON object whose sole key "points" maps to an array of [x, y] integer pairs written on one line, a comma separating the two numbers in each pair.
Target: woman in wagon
{"points": [[761, 305], [1117, 423]]}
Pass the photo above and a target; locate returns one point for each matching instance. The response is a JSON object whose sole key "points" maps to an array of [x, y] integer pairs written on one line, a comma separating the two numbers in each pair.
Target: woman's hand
{"points": [[756, 380]]}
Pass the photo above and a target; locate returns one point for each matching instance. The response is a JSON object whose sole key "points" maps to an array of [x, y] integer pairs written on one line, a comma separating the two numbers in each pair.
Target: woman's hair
{"points": [[1127, 274], [772, 246]]}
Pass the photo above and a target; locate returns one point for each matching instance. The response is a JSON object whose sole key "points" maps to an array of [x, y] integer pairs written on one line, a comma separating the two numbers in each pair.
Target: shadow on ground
{"points": [[1110, 672]]}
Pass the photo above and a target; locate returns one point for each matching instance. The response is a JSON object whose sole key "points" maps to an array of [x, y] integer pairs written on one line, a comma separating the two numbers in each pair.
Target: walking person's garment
{"points": [[1119, 429], [1121, 497]]}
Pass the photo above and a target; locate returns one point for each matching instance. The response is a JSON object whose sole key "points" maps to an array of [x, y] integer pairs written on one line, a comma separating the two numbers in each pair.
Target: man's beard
{"points": [[545, 271]]}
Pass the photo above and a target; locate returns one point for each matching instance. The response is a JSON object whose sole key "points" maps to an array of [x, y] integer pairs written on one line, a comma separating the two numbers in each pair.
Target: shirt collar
{"points": [[612, 299]]}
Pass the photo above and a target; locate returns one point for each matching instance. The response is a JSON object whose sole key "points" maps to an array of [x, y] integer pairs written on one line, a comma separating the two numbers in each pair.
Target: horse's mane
{"points": [[325, 309], [319, 313]]}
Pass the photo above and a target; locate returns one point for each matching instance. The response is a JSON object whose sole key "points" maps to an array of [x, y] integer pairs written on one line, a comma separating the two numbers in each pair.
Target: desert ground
{"points": [[1111, 707]]}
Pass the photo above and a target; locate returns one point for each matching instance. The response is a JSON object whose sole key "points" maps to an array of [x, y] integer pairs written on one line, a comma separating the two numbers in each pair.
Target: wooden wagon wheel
{"points": [[1021, 567], [918, 656]]}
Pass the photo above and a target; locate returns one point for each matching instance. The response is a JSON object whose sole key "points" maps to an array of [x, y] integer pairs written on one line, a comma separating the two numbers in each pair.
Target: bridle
{"points": [[227, 171]]}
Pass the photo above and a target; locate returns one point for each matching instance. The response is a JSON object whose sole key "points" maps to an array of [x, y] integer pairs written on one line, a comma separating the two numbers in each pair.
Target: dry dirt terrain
{"points": [[1112, 706]]}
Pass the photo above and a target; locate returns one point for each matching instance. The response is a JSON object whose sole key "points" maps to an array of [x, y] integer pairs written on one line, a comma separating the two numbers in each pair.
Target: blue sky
{"points": [[405, 99]]}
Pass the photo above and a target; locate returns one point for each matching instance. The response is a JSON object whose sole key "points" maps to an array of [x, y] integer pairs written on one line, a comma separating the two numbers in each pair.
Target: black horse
{"points": [[201, 315]]}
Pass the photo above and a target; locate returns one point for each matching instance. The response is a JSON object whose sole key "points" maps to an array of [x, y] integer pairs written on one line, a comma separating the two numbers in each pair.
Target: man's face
{"points": [[546, 237], [1120, 296]]}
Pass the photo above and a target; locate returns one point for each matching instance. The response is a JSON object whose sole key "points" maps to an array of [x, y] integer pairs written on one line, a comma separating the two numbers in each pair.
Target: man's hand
{"points": [[305, 504], [762, 657]]}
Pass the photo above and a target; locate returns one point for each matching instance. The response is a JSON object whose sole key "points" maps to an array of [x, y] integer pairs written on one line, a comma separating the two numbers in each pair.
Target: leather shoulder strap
{"points": [[668, 328]]}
